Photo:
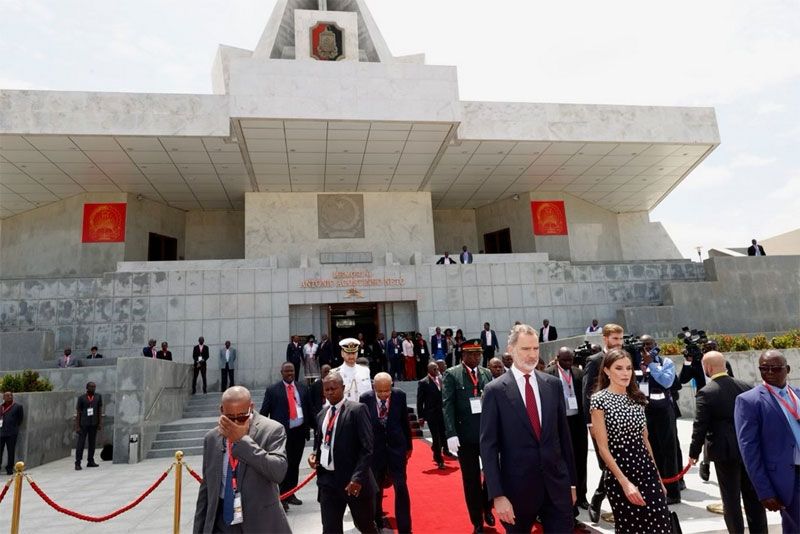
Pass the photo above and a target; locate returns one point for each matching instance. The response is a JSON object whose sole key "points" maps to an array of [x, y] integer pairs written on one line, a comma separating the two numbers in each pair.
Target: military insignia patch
{"points": [[327, 42]]}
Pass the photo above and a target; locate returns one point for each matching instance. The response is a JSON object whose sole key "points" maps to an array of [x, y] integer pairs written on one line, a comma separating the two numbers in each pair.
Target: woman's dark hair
{"points": [[448, 332], [603, 381], [459, 333]]}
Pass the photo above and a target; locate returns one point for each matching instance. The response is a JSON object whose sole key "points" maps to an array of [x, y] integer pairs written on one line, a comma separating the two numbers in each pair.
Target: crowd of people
{"points": [[519, 431]]}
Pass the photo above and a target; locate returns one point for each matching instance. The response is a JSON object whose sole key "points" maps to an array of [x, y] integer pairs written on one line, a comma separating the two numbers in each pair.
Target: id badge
{"points": [[572, 402], [439, 346], [89, 412], [475, 405], [238, 517], [1, 423], [422, 351], [644, 387]]}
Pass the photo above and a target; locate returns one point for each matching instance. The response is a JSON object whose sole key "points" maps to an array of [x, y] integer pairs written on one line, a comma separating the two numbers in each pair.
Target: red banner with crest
{"points": [[549, 217], [104, 223]]}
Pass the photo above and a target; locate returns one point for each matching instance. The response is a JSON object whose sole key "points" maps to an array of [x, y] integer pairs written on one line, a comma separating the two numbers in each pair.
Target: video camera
{"points": [[632, 345], [582, 353], [693, 339]]}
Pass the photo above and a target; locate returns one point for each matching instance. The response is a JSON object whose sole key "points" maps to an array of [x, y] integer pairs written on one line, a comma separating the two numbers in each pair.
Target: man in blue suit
{"points": [[388, 413], [525, 443], [768, 430]]}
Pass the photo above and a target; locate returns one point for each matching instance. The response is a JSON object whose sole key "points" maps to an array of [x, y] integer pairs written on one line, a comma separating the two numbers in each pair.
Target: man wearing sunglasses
{"points": [[244, 460], [768, 430]]}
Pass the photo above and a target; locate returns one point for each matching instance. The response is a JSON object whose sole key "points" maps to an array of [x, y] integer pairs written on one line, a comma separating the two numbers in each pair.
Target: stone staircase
{"points": [[186, 434]]}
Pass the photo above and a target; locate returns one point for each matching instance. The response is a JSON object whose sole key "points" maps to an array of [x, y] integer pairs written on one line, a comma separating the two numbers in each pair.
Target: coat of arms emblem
{"points": [[327, 42]]}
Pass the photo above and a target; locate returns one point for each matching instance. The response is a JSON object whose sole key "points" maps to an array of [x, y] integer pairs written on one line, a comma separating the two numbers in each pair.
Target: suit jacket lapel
{"points": [[214, 475], [241, 469], [543, 391], [517, 404]]}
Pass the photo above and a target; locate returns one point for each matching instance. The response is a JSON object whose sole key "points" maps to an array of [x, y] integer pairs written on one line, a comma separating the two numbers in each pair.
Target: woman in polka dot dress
{"points": [[637, 496]]}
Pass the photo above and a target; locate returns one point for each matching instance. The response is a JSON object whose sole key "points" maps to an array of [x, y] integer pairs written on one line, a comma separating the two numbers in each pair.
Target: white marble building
{"points": [[302, 169]]}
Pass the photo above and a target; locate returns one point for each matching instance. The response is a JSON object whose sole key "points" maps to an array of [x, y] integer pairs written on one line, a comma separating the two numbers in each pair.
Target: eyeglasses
{"points": [[771, 368], [238, 418]]}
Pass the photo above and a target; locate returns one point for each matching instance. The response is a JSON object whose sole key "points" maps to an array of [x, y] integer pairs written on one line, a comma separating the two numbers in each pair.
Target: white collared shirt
{"points": [[408, 348], [519, 376], [227, 355], [325, 452], [546, 333], [488, 338]]}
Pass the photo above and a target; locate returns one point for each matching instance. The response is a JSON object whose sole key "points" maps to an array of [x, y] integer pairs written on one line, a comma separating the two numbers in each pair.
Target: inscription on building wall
{"points": [[340, 216], [352, 279]]}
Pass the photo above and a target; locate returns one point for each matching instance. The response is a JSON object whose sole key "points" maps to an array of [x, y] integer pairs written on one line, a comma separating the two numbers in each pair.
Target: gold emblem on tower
{"points": [[327, 42]]}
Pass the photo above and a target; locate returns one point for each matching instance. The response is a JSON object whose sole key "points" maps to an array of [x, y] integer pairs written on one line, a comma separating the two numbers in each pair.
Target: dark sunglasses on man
{"points": [[771, 368], [240, 418]]}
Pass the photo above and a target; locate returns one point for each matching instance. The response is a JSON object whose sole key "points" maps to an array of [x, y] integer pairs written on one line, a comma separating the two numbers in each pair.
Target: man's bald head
{"points": [[383, 378], [713, 363], [382, 384], [236, 394], [236, 402], [334, 376]]}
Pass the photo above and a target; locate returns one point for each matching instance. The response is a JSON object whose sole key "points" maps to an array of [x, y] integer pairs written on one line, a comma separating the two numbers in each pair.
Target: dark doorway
{"points": [[162, 248], [349, 320], [498, 242]]}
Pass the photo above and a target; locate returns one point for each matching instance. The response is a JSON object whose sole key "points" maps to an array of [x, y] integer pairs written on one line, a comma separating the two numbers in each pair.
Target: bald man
{"points": [[768, 432], [713, 422], [244, 460], [388, 413]]}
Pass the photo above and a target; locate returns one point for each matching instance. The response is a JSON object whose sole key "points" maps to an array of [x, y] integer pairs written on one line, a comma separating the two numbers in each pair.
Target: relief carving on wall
{"points": [[340, 216]]}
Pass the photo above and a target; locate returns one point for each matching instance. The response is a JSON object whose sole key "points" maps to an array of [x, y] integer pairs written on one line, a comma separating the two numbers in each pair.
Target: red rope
{"points": [[294, 490], [677, 477], [5, 489], [97, 519], [285, 496]]}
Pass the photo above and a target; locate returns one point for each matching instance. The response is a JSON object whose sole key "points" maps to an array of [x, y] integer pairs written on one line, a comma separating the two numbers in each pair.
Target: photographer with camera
{"points": [[657, 378]]}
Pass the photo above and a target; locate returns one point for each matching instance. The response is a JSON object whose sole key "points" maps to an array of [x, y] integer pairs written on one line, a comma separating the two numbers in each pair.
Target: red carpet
{"points": [[437, 496]]}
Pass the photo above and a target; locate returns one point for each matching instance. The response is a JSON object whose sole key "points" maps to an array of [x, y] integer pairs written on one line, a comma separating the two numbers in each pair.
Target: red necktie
{"points": [[530, 405], [292, 402]]}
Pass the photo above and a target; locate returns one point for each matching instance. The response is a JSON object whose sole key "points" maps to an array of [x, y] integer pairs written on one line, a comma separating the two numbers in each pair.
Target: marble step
{"points": [[176, 444], [182, 434]]}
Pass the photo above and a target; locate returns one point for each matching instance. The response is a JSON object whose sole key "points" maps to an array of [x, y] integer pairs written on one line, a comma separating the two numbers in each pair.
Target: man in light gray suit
{"points": [[227, 363], [244, 459], [67, 359]]}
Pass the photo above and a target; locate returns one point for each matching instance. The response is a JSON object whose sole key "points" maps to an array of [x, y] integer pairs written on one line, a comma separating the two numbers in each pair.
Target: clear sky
{"points": [[741, 57]]}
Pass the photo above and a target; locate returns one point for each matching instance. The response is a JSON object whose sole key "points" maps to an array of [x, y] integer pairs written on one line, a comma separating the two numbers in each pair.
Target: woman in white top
{"points": [[310, 365], [410, 360]]}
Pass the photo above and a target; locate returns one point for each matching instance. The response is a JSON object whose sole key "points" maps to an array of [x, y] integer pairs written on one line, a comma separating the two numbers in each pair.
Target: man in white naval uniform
{"points": [[355, 377]]}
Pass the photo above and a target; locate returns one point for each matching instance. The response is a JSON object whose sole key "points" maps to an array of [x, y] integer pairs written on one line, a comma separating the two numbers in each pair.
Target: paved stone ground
{"points": [[99, 491]]}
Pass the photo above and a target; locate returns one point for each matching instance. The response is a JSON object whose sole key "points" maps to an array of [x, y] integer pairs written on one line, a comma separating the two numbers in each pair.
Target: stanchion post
{"points": [[19, 467], [176, 521]]}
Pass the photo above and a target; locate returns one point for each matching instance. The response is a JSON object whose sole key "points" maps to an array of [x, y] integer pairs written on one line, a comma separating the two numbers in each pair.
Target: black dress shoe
{"points": [[478, 530], [441, 465], [594, 508], [92, 464], [583, 503], [294, 500], [78, 467], [489, 518], [705, 471], [673, 500], [285, 506]]}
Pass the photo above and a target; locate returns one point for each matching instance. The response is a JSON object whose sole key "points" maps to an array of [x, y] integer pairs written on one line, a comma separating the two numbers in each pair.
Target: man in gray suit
{"points": [[67, 359], [227, 363], [244, 459]]}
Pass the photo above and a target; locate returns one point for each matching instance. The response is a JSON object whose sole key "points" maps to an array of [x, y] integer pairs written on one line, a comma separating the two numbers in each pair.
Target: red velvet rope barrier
{"points": [[677, 477], [96, 519], [5, 489], [285, 496]]}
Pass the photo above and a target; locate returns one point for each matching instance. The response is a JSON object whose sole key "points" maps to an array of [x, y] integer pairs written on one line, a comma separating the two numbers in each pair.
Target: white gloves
{"points": [[453, 444]]}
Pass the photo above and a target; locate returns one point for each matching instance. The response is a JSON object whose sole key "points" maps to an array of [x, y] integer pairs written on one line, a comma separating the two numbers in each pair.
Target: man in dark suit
{"points": [[525, 443], [768, 431], [394, 353], [93, 354], [342, 457], [388, 412], [571, 378], [200, 356], [287, 402], [164, 353], [429, 407], [88, 422], [461, 403], [325, 351], [294, 354], [251, 447], [547, 332], [377, 360], [227, 365], [438, 345], [10, 420], [612, 339], [446, 260], [466, 255], [489, 343], [713, 422], [150, 350], [755, 249], [422, 354], [316, 397]]}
